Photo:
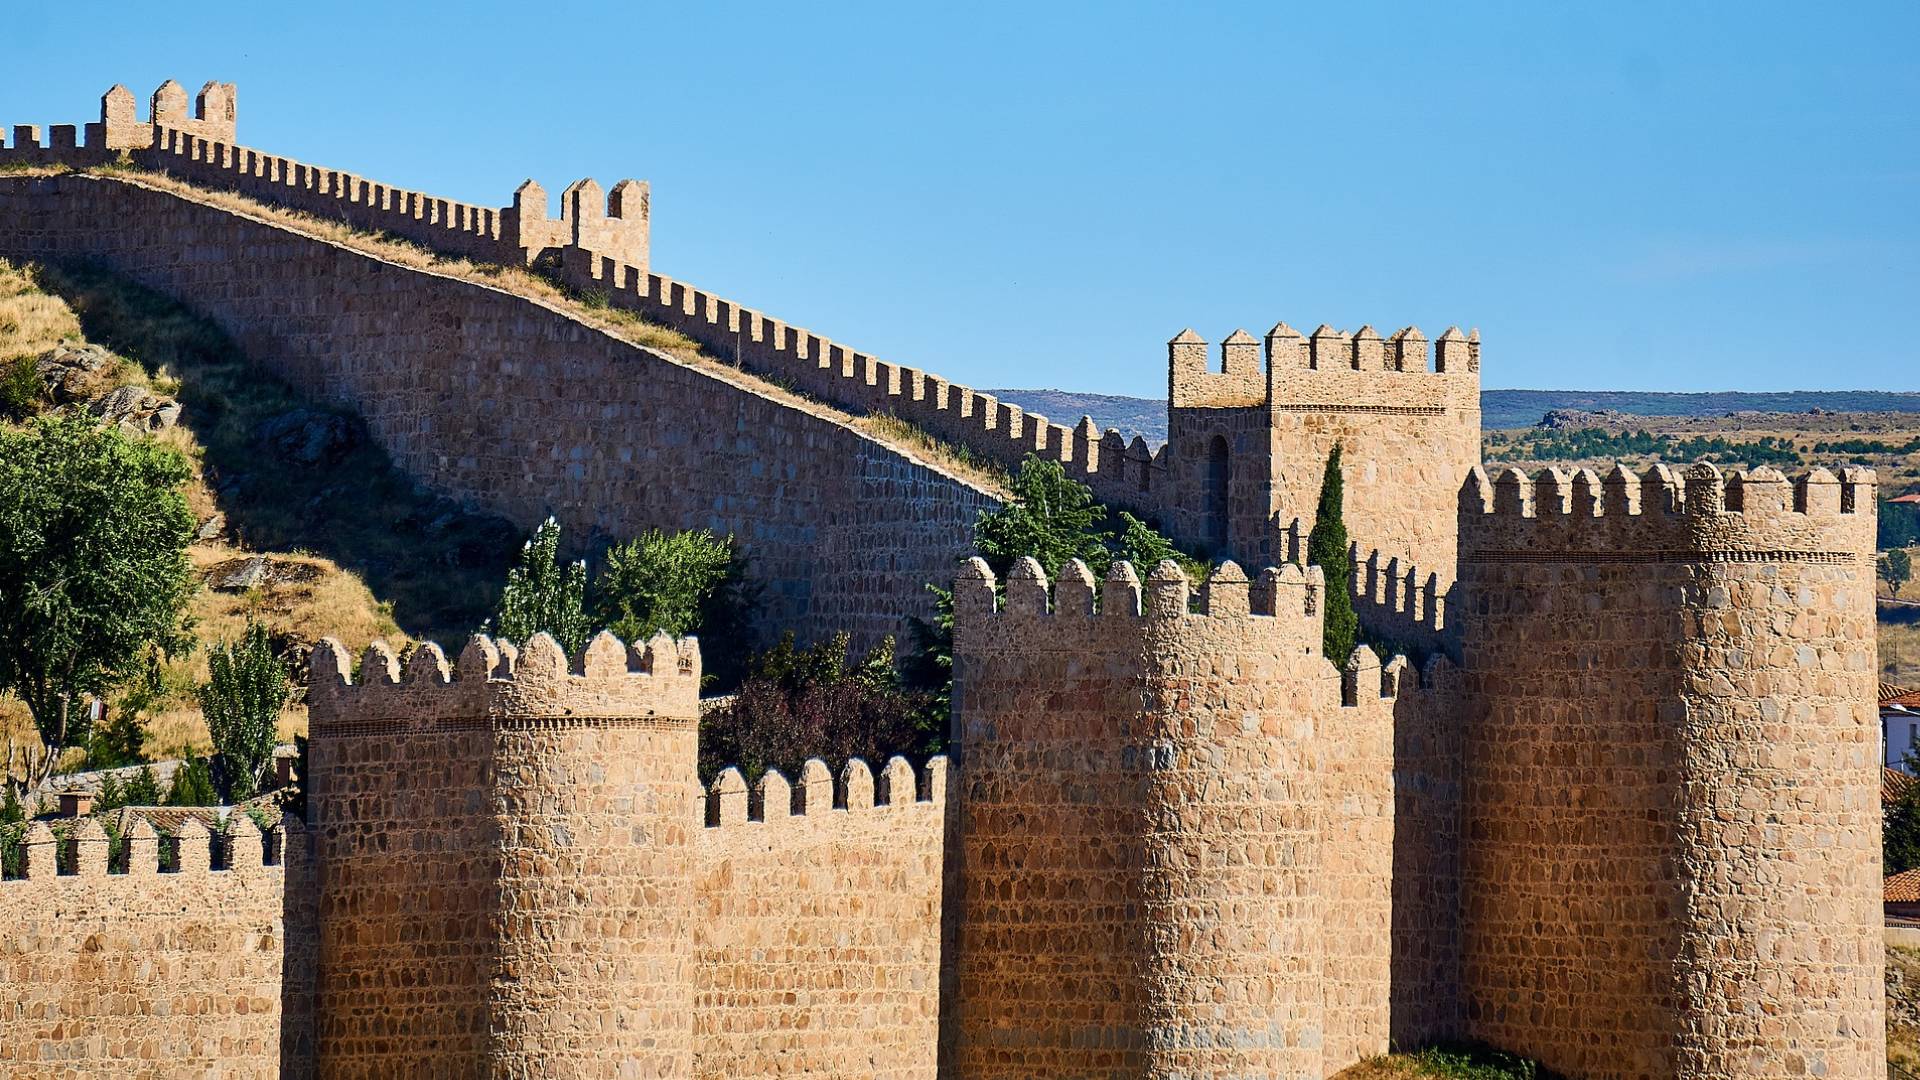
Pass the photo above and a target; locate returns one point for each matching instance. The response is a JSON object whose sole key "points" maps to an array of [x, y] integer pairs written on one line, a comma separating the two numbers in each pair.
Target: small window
{"points": [[1218, 486]]}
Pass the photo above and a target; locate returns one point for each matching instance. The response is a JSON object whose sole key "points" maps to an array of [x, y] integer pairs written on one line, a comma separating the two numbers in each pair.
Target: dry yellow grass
{"points": [[332, 602], [31, 322], [1900, 653]]}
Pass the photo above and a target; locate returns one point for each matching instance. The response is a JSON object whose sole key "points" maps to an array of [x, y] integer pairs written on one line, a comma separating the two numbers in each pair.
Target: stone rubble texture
{"points": [[1624, 820]]}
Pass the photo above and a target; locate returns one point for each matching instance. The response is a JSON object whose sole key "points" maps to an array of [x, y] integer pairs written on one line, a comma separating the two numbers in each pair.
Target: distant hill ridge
{"points": [[1499, 408]]}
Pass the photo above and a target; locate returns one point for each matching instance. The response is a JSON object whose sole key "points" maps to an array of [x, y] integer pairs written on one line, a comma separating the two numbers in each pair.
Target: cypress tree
{"points": [[1328, 549]]}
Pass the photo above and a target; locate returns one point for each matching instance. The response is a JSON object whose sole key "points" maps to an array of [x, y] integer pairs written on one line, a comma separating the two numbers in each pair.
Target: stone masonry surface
{"points": [[143, 974], [1623, 819], [497, 399]]}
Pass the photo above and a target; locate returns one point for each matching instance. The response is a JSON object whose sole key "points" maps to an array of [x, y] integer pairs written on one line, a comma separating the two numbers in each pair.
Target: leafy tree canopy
{"points": [[94, 578], [1329, 549], [245, 690]]}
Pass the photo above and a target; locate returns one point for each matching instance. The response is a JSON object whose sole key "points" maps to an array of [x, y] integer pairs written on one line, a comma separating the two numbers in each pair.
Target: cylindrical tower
{"points": [[1672, 857], [1138, 828], [563, 898]]}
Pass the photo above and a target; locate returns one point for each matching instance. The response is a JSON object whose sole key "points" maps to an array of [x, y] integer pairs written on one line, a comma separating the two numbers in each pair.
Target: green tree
{"points": [[143, 789], [1900, 831], [121, 741], [543, 593], [1051, 517], [1896, 569], [245, 690], [94, 578], [193, 785], [11, 812], [1329, 549], [111, 797], [662, 581]]}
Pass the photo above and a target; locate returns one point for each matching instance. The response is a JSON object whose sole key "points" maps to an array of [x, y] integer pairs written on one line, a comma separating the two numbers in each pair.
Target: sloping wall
{"points": [[515, 406]]}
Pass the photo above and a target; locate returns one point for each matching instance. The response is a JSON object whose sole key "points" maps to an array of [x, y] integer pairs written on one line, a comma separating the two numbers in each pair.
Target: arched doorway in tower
{"points": [[1219, 472]]}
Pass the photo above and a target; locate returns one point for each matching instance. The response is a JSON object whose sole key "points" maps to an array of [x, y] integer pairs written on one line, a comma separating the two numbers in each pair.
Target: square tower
{"points": [[1247, 443]]}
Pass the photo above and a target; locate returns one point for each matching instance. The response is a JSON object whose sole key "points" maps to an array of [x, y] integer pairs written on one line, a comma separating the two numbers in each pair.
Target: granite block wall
{"points": [[817, 928], [142, 974], [514, 406]]}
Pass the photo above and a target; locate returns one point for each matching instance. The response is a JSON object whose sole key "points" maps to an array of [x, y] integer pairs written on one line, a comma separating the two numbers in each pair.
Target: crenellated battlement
{"points": [[493, 682], [214, 115], [1285, 593], [79, 852], [775, 800], [1252, 373], [1700, 511], [1400, 601]]}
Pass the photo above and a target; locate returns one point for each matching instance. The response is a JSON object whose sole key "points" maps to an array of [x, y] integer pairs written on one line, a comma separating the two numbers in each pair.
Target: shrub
{"points": [[683, 583], [1055, 518], [118, 742], [22, 391], [1329, 549], [543, 594], [143, 789], [795, 704], [193, 785]]}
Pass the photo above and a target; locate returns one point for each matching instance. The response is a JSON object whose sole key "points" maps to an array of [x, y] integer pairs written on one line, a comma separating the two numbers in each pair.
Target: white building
{"points": [[1899, 724]]}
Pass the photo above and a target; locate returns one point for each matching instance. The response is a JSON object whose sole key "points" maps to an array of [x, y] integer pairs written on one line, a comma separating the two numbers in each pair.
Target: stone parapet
{"points": [[496, 683]]}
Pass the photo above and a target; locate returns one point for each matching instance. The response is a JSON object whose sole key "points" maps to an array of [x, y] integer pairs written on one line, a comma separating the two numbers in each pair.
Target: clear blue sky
{"points": [[1672, 196]]}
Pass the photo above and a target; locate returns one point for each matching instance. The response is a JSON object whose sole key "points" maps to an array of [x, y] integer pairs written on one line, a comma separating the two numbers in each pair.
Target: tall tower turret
{"points": [[1672, 831], [508, 883], [1174, 830], [1247, 445]]}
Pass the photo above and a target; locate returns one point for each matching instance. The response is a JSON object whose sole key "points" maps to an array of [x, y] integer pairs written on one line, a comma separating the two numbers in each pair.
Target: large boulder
{"points": [[136, 410], [74, 372], [308, 436]]}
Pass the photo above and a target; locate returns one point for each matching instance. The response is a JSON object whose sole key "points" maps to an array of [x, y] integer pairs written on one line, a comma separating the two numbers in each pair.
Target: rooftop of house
{"points": [[1893, 784], [1902, 888]]}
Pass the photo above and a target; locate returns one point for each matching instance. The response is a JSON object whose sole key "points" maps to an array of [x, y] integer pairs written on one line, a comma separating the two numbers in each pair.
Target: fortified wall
{"points": [[1625, 821], [1239, 476], [128, 971], [519, 869], [1177, 832], [1673, 856], [510, 404]]}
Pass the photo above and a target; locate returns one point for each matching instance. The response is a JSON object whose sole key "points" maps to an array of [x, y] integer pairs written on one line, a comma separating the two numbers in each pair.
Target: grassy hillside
{"points": [[305, 524]]}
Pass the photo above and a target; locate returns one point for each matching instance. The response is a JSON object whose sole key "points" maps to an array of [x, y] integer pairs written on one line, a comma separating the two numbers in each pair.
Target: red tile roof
{"points": [[1902, 888], [1908, 700], [1893, 784], [1888, 692]]}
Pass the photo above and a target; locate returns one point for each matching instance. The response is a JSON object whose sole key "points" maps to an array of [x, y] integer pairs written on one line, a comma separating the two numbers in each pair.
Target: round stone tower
{"points": [[1138, 827], [505, 860], [1672, 859]]}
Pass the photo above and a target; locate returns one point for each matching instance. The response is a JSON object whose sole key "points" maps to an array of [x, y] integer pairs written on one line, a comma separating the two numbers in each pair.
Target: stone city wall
{"points": [[1175, 830], [505, 872], [817, 926], [1672, 859], [1405, 412], [143, 974], [513, 405]]}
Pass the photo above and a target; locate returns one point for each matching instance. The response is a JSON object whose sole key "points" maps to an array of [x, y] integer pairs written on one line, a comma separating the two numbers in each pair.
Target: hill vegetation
{"points": [[301, 523]]}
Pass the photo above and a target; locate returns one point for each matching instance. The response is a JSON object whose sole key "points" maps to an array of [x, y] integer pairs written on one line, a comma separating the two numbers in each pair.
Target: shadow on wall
{"points": [[288, 475]]}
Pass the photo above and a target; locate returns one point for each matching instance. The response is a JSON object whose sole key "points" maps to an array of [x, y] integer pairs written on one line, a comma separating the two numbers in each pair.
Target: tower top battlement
{"points": [[494, 681], [1697, 508], [1289, 366]]}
